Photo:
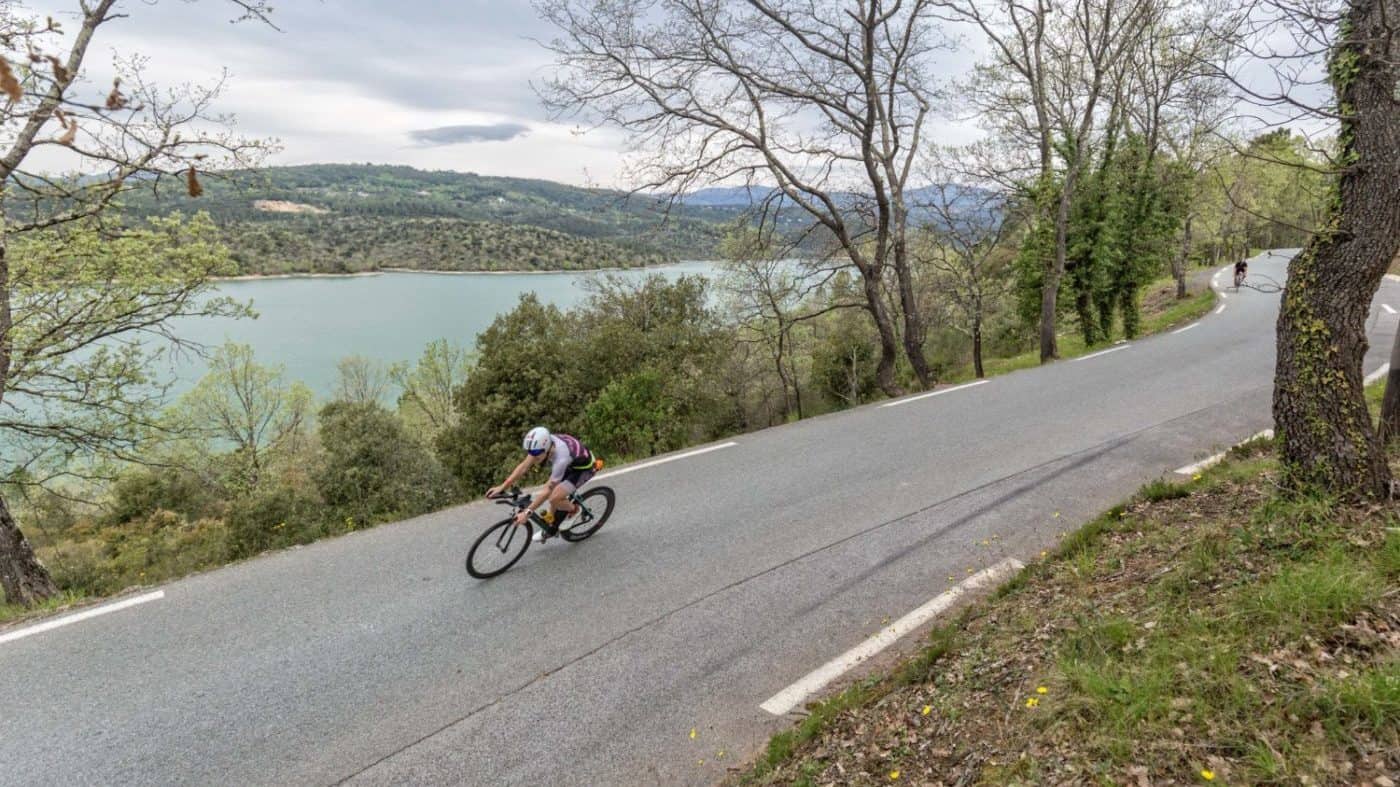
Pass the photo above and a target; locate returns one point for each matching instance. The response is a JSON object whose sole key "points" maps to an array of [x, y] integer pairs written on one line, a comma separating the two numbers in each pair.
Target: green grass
{"points": [[1071, 343], [1316, 593], [10, 613], [1179, 313]]}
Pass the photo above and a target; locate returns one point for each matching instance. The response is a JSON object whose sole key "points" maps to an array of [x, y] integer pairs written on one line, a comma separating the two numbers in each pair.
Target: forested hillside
{"points": [[346, 217]]}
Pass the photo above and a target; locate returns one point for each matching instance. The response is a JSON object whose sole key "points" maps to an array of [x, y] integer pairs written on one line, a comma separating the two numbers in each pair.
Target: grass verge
{"points": [[1204, 632], [1161, 311]]}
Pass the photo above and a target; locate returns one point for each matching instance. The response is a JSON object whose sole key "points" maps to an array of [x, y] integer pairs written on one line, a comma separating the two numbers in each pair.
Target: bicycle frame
{"points": [[518, 500]]}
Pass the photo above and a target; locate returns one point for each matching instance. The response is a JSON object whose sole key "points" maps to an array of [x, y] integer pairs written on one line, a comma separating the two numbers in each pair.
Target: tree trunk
{"points": [[1389, 427], [914, 328], [1182, 263], [1319, 404], [1055, 271], [977, 348], [23, 578], [889, 347]]}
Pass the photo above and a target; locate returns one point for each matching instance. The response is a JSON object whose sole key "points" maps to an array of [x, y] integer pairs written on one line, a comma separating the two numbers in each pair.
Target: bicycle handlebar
{"points": [[511, 497]]}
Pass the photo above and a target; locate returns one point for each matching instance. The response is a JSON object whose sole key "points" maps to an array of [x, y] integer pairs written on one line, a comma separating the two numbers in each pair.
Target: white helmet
{"points": [[536, 441]]}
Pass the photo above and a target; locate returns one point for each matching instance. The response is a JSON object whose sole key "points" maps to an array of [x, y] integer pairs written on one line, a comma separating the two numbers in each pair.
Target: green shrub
{"points": [[372, 469], [634, 416], [274, 516], [139, 493]]}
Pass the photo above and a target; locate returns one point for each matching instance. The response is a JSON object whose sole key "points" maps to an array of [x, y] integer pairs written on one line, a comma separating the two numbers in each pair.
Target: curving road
{"points": [[723, 578]]}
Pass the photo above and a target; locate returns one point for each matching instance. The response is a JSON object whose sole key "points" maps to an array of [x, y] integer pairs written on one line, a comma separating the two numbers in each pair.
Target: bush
{"points": [[138, 494], [372, 469], [274, 516], [634, 417], [540, 365], [844, 363]]}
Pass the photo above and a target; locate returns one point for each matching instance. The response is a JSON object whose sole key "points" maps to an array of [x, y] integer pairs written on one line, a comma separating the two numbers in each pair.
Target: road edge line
{"points": [[1211, 461], [909, 399], [796, 693], [1377, 374], [50, 625], [663, 460], [1101, 352]]}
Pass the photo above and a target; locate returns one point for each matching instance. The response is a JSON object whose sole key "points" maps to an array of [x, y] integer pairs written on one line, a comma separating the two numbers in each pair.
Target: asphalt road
{"points": [[721, 579]]}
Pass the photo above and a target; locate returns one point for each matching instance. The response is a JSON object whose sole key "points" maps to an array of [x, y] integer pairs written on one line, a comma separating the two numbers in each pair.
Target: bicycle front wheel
{"points": [[598, 503], [498, 548]]}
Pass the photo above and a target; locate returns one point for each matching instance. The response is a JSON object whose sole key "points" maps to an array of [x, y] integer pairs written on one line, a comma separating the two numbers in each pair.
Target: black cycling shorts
{"points": [[578, 476]]}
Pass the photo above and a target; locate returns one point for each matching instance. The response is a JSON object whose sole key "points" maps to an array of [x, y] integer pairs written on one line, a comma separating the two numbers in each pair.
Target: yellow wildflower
{"points": [[693, 733], [1031, 702], [1041, 690], [1208, 775], [927, 710], [894, 776]]}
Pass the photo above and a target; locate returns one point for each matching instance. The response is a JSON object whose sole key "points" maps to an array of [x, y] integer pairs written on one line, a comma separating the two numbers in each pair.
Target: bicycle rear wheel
{"points": [[498, 548], [598, 502]]}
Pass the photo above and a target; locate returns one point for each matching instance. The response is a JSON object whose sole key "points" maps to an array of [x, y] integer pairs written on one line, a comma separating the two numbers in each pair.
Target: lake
{"points": [[308, 324]]}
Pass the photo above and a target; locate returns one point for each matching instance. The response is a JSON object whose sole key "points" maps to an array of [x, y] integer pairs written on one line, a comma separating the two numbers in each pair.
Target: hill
{"points": [[349, 217]]}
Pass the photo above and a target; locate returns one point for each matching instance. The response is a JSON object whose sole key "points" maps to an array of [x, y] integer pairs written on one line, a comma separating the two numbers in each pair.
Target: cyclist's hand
{"points": [[494, 491], [521, 517]]}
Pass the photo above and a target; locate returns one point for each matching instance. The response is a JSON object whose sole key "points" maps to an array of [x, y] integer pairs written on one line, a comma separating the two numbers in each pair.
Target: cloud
{"points": [[460, 135]]}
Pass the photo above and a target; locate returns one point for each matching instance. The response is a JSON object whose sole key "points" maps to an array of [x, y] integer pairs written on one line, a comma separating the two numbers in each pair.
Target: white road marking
{"points": [[1187, 328], [1215, 460], [1387, 308], [1221, 309], [1378, 374], [1102, 352], [50, 625], [793, 696], [663, 460], [1223, 296], [933, 393]]}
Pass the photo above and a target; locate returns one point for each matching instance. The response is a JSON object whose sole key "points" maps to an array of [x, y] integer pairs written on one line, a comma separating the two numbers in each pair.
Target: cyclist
{"points": [[1241, 268], [571, 465]]}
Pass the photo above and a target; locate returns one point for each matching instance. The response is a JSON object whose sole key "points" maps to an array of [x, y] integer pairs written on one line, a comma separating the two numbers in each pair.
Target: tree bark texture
{"points": [[1324, 428]]}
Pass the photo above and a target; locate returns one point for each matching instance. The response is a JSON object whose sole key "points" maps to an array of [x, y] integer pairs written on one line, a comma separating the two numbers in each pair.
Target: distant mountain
{"points": [[962, 199], [725, 197]]}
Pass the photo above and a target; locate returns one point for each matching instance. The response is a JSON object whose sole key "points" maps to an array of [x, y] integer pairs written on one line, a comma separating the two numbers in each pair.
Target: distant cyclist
{"points": [[571, 465], [1241, 268]]}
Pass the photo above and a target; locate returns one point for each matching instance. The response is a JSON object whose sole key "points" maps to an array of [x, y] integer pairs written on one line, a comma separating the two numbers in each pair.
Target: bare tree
{"points": [[1176, 104], [771, 295], [243, 405], [1051, 75], [430, 385], [1352, 46], [360, 380], [72, 368], [825, 102], [966, 248]]}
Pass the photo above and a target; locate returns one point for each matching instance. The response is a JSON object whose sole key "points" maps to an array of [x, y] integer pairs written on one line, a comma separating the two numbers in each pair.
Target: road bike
{"points": [[505, 542]]}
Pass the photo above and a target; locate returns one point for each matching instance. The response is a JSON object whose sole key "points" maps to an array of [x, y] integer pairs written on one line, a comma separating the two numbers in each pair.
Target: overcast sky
{"points": [[436, 84]]}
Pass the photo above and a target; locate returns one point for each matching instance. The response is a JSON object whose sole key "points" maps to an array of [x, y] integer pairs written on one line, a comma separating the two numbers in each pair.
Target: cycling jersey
{"points": [[569, 455]]}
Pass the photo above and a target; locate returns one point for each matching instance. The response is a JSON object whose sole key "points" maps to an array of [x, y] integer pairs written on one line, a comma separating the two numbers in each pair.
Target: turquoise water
{"points": [[309, 324]]}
